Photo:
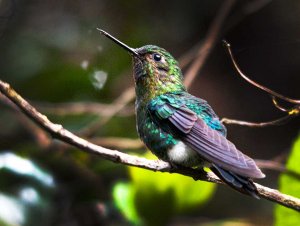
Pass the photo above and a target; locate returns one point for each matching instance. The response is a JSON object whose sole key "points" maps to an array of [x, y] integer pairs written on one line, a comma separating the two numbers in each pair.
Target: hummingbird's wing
{"points": [[184, 124], [203, 110]]}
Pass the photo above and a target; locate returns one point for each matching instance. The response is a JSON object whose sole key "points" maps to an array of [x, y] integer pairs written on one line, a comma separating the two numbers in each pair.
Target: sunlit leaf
{"points": [[187, 192], [158, 196], [123, 194], [289, 185]]}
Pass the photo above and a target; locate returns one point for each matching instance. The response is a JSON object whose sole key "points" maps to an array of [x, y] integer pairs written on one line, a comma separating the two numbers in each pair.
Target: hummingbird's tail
{"points": [[240, 183]]}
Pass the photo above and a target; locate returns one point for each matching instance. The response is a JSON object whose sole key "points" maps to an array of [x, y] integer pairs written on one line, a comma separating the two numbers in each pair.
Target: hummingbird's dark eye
{"points": [[156, 57]]}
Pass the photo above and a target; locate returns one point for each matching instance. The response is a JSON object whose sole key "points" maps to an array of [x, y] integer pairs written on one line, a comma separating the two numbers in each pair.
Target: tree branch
{"points": [[276, 122], [259, 86], [291, 113], [58, 132], [118, 142], [120, 103], [209, 42], [78, 108], [276, 166]]}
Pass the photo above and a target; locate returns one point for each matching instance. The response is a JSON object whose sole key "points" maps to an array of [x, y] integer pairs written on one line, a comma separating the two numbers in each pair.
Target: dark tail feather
{"points": [[237, 182]]}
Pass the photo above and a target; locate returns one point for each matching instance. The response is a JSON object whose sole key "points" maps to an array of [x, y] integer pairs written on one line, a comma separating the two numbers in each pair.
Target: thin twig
{"points": [[78, 108], [39, 135], [209, 42], [118, 142], [276, 166], [58, 132], [276, 104], [248, 7], [185, 59], [266, 89], [4, 100], [292, 112], [120, 103], [276, 122]]}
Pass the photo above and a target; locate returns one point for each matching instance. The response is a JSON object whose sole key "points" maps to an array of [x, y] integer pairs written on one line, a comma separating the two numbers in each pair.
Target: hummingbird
{"points": [[180, 128]]}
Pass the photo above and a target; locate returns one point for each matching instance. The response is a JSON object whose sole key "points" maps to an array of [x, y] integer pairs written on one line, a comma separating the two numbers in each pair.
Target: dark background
{"points": [[42, 46]]}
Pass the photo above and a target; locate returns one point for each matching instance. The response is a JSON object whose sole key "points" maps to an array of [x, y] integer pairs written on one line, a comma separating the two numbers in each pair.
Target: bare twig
{"points": [[6, 101], [292, 112], [266, 89], [209, 42], [185, 59], [203, 48], [276, 166], [39, 135], [58, 132], [248, 7], [77, 108], [276, 104], [118, 142], [275, 122], [120, 103]]}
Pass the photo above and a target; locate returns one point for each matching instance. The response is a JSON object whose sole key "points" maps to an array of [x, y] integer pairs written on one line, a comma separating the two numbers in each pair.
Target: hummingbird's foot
{"points": [[176, 167], [197, 173], [200, 175]]}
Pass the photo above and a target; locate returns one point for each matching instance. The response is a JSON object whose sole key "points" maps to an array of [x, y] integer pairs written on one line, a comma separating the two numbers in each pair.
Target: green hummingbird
{"points": [[180, 128]]}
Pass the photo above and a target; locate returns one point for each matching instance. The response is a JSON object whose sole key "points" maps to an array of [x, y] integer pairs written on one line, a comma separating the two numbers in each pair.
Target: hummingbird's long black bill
{"points": [[123, 45]]}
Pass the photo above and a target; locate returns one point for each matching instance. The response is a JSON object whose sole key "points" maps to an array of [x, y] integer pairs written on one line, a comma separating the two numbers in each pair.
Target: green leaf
{"points": [[154, 197], [291, 186], [123, 195], [159, 196]]}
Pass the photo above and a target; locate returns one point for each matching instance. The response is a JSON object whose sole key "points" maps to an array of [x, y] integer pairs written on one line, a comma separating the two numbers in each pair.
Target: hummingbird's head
{"points": [[155, 70]]}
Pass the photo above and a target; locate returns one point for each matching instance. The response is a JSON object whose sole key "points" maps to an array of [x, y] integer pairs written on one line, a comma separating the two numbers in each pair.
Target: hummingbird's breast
{"points": [[164, 145], [156, 140]]}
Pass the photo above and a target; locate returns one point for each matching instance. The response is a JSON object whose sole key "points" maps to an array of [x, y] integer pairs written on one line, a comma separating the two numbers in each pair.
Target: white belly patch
{"points": [[182, 154]]}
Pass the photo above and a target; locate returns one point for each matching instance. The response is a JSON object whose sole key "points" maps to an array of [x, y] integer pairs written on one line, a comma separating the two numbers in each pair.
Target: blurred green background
{"points": [[52, 54]]}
